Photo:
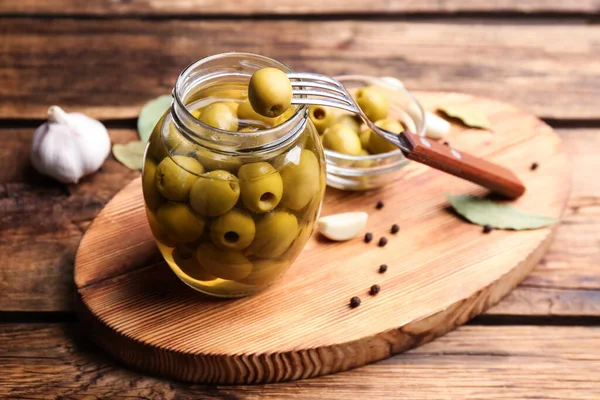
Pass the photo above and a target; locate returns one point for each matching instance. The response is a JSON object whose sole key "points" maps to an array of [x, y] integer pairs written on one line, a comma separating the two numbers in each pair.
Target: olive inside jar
{"points": [[231, 196]]}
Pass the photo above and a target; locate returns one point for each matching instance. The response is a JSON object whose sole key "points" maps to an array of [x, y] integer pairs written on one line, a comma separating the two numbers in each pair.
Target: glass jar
{"points": [[231, 210]]}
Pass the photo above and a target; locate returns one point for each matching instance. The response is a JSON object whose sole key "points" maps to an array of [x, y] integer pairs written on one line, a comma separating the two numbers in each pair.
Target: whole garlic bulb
{"points": [[69, 146]]}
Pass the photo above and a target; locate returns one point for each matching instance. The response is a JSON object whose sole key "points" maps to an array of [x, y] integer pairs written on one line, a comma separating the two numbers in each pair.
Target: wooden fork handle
{"points": [[463, 165]]}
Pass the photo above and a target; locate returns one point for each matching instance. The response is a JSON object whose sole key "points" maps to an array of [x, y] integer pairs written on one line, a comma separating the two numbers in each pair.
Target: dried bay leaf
{"points": [[131, 154], [151, 114], [502, 216], [469, 116]]}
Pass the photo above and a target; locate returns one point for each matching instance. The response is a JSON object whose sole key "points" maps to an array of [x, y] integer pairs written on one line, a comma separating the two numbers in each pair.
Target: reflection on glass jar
{"points": [[231, 196]]}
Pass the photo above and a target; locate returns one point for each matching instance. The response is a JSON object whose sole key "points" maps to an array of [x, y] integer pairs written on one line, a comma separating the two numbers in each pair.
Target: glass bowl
{"points": [[349, 172]]}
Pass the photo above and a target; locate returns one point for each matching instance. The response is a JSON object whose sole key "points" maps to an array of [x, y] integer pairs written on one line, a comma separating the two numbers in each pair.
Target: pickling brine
{"points": [[231, 196]]}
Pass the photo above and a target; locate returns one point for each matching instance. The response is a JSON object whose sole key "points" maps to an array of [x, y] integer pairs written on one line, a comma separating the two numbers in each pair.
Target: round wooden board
{"points": [[442, 272]]}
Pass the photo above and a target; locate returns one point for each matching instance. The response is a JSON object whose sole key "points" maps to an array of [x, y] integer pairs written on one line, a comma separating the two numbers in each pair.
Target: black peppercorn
{"points": [[534, 166], [395, 229], [379, 205], [368, 237], [374, 290], [487, 228], [382, 268], [446, 144], [382, 242], [354, 302]]}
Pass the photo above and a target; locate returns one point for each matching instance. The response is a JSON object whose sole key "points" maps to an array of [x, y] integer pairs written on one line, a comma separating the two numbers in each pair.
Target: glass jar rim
{"points": [[293, 125]]}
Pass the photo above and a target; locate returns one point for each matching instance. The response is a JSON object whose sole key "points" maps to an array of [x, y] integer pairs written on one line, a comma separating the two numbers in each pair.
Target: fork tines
{"points": [[307, 76], [321, 90]]}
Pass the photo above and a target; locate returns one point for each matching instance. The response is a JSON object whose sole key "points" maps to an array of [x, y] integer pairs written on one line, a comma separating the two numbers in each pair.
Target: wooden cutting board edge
{"points": [[310, 361]]}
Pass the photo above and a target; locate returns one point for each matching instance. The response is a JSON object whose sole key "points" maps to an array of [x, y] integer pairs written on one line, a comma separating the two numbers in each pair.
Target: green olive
{"points": [[222, 94], [156, 148], [177, 144], [364, 136], [351, 121], [301, 181], [265, 272], [186, 250], [261, 186], [321, 117], [196, 113], [372, 103], [215, 193], [270, 92], [248, 129], [245, 112], [377, 144], [234, 230], [175, 176], [170, 142], [275, 232], [184, 257], [157, 231], [225, 264], [304, 233], [220, 116], [342, 139], [215, 161], [363, 163], [289, 113], [151, 194], [233, 105], [390, 125], [180, 222]]}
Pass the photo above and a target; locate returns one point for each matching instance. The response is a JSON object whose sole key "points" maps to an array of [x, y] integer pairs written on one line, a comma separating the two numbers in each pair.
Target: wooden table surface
{"points": [[108, 57]]}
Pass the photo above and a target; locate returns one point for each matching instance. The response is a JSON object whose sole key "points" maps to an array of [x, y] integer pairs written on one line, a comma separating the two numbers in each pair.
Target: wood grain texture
{"points": [[110, 68], [442, 272], [42, 222], [473, 362], [288, 7], [566, 283], [528, 301]]}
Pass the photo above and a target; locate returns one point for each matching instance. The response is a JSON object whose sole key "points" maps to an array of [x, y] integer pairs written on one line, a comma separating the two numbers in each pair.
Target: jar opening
{"points": [[235, 69]]}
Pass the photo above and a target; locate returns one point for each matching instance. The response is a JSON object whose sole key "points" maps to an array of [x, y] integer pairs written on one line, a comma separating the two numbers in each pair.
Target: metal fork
{"points": [[322, 90]]}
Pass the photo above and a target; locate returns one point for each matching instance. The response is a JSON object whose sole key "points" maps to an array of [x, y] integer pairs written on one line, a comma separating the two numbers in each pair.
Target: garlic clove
{"points": [[435, 126], [393, 82], [343, 226], [69, 146]]}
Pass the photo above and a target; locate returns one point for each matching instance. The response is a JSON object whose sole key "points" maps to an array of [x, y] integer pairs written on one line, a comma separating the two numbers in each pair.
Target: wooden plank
{"points": [[475, 362], [581, 229], [567, 282], [288, 7], [548, 302], [42, 223], [110, 68]]}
